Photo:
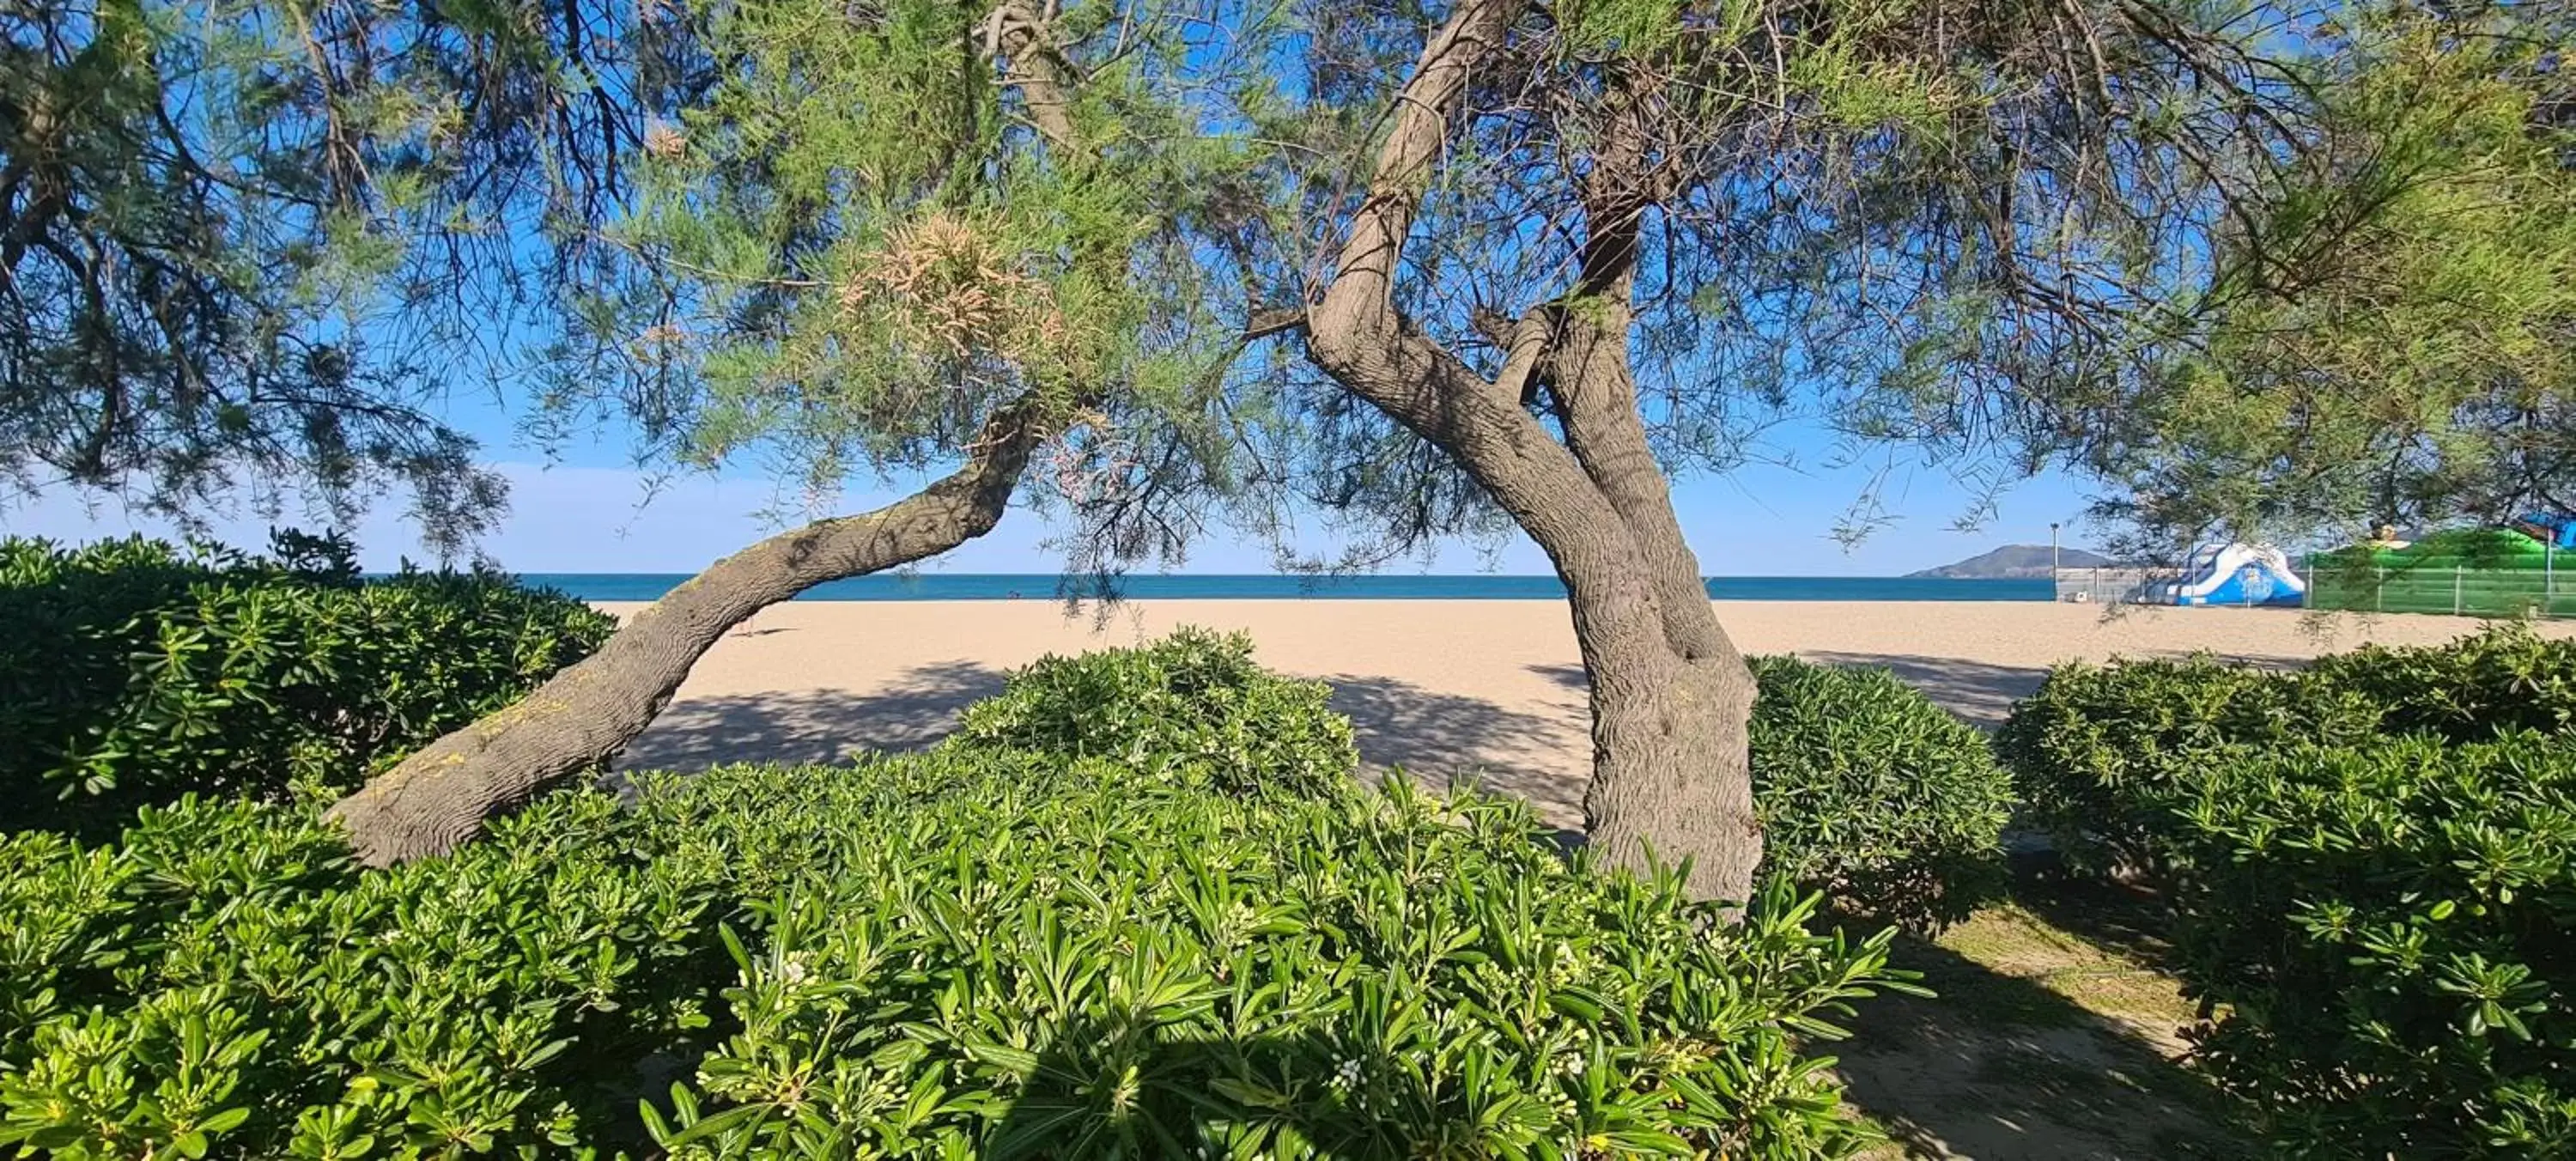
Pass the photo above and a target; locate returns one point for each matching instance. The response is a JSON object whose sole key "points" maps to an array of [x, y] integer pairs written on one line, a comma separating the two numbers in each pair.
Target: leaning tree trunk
{"points": [[579, 719], [1704, 804], [1670, 695], [1671, 766]]}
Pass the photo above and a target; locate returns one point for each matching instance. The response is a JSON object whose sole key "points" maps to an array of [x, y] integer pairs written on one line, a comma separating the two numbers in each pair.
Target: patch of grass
{"points": [[2043, 1042], [2013, 966]]}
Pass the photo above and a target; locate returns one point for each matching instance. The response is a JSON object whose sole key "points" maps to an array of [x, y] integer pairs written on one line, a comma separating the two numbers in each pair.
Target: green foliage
{"points": [[960, 953], [2501, 680], [134, 671], [2094, 747], [222, 983], [2393, 931], [861, 235], [1873, 794], [2387, 344], [1192, 705], [1109, 968], [2370, 868]]}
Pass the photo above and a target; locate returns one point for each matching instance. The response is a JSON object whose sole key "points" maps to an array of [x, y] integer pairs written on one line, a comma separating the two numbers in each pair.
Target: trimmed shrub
{"points": [[2370, 868], [2495, 682], [222, 983], [135, 671], [2093, 749], [938, 955], [1874, 795], [1192, 705], [2392, 929]]}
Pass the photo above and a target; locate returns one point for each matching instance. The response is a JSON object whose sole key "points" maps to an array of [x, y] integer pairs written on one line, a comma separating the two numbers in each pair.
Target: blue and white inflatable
{"points": [[2235, 574]]}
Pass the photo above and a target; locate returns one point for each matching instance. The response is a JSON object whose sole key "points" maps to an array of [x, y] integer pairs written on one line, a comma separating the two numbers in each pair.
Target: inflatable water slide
{"points": [[2234, 574]]}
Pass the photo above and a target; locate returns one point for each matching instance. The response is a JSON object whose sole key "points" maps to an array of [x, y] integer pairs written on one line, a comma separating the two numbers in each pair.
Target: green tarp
{"points": [[2482, 573]]}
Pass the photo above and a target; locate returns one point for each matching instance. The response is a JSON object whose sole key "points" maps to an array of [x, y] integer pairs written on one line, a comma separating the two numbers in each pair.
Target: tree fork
{"points": [[1695, 794], [1670, 696]]}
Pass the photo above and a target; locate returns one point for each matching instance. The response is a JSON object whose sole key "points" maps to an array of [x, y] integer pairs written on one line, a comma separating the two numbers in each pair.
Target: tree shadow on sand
{"points": [[1438, 737], [1980, 692], [811, 725], [1974, 690], [1450, 739]]}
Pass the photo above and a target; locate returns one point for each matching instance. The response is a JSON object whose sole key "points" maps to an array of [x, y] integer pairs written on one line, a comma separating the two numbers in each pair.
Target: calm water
{"points": [[638, 586]]}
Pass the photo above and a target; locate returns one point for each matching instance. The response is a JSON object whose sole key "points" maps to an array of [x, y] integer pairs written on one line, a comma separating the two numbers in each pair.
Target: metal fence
{"points": [[2447, 588], [2109, 586], [2452, 589]]}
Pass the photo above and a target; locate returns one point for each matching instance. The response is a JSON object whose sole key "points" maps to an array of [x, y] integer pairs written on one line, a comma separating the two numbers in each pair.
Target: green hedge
{"points": [[2093, 749], [134, 671], [1871, 793], [961, 953], [222, 983], [2392, 929], [2370, 869], [1192, 704], [2498, 681]]}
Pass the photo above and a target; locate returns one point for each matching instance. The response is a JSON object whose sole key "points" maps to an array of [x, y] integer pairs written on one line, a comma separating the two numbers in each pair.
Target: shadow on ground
{"points": [[1570, 676], [1436, 736], [1980, 692], [812, 725], [2041, 1045], [1444, 738]]}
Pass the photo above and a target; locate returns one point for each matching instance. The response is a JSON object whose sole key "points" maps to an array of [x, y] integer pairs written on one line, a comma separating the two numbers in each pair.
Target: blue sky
{"points": [[589, 511]]}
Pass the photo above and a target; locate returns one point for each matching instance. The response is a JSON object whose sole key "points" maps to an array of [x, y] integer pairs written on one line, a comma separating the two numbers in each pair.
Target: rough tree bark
{"points": [[440, 796], [1670, 694], [583, 716]]}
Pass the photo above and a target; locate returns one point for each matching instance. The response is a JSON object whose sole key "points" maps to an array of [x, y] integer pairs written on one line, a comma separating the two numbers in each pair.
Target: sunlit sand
{"points": [[1448, 689]]}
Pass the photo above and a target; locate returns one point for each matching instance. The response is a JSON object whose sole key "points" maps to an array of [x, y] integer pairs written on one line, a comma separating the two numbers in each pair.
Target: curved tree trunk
{"points": [[583, 716], [1688, 787], [440, 797], [1670, 695], [1704, 802]]}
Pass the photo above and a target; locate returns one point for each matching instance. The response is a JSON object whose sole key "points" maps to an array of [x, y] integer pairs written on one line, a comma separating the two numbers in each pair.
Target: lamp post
{"points": [[2056, 581]]}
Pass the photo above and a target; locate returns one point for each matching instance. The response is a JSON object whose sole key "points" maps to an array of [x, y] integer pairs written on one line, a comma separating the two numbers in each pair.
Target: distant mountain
{"points": [[2016, 562]]}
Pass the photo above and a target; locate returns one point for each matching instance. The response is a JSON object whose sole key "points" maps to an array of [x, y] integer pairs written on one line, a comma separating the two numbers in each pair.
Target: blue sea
{"points": [[642, 586]]}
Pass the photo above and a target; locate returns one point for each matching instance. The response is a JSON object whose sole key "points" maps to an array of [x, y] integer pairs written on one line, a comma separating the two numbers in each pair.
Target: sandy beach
{"points": [[1444, 688]]}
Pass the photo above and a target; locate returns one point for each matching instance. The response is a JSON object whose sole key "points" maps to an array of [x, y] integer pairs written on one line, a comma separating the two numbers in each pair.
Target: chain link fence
{"points": [[2449, 589], [2109, 586]]}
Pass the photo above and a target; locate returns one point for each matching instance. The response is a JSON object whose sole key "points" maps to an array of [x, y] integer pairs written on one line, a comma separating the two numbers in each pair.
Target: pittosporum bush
{"points": [[1193, 704], [2392, 931], [223, 983], [2370, 873], [1873, 794], [2503, 679], [961, 953], [134, 671], [2094, 749]]}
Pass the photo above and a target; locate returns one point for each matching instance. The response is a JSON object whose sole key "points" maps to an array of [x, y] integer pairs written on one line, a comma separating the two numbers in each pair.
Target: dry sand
{"points": [[1446, 688]]}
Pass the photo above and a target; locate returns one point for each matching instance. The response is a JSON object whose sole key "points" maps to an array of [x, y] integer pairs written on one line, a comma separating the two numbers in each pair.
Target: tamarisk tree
{"points": [[899, 235], [1543, 254], [210, 246], [2420, 370]]}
